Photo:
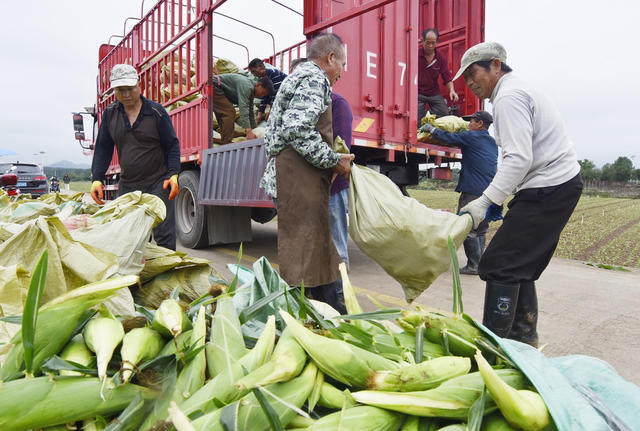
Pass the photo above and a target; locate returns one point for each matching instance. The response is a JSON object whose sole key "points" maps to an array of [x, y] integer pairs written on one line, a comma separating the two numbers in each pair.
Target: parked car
{"points": [[31, 178]]}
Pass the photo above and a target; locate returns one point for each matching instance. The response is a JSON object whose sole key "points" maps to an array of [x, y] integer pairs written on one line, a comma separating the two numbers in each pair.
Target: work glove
{"points": [[97, 193], [494, 213], [427, 128], [173, 182], [477, 209]]}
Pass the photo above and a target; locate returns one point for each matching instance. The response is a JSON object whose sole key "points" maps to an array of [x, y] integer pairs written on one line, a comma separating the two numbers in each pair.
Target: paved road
{"points": [[583, 310]]}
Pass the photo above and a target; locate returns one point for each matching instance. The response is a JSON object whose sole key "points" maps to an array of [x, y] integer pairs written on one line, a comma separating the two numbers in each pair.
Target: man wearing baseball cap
{"points": [[479, 163], [540, 165], [148, 149]]}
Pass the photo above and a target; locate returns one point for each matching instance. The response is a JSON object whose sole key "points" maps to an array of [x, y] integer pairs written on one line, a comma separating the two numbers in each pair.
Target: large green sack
{"points": [[407, 239]]}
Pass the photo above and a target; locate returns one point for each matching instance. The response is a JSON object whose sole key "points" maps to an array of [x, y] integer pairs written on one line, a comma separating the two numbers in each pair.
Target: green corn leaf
{"points": [[56, 363], [229, 416], [251, 310], [234, 282], [145, 312], [269, 412], [384, 314], [419, 343], [455, 271], [445, 343], [175, 293], [132, 416], [315, 314], [487, 345], [16, 320], [476, 412], [303, 305], [31, 306]]}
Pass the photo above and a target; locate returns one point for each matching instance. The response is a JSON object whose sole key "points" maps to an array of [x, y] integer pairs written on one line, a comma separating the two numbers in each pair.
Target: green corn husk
{"points": [[454, 427], [523, 409], [287, 361], [411, 423], [190, 379], [56, 322], [452, 399], [179, 343], [333, 398], [430, 350], [417, 423], [42, 401], [169, 319], [496, 422], [76, 351], [342, 361], [138, 345], [419, 377], [103, 335], [300, 422], [291, 394], [360, 418], [227, 343], [220, 389]]}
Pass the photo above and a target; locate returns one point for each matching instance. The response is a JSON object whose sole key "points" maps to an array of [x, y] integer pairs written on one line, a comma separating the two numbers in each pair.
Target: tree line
{"points": [[74, 174], [620, 171]]}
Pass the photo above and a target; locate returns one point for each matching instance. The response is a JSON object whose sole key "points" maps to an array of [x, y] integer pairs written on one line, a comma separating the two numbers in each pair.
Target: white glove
{"points": [[428, 128], [477, 209]]}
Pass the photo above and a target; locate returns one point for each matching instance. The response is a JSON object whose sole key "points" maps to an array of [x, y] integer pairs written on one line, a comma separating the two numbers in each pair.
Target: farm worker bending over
{"points": [[234, 88], [479, 164], [540, 165], [431, 64], [259, 70], [148, 149], [299, 144]]}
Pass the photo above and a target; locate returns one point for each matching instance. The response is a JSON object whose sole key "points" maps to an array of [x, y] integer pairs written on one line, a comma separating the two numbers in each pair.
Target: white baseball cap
{"points": [[485, 51], [123, 75]]}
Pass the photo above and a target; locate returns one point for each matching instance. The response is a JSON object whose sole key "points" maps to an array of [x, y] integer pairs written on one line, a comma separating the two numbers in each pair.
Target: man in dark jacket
{"points": [[479, 164], [148, 149], [259, 69]]}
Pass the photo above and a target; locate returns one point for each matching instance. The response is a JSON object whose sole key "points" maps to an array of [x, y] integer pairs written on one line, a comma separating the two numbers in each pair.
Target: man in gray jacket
{"points": [[539, 165]]}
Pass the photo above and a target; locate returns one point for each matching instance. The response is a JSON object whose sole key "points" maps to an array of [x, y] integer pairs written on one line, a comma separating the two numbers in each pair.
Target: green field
{"points": [[79, 186], [601, 230]]}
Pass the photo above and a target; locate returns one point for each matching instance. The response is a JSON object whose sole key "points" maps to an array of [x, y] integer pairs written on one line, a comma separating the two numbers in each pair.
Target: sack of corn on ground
{"points": [[254, 354]]}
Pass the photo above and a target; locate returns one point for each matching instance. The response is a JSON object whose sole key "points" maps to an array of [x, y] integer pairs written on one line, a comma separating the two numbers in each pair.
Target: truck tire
{"points": [[191, 218]]}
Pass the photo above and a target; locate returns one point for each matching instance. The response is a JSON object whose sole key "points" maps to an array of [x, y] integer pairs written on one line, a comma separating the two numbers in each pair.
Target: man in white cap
{"points": [[148, 149], [540, 165]]}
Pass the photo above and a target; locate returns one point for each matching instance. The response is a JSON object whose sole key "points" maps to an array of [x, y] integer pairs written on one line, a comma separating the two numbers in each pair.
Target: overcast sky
{"points": [[583, 53]]}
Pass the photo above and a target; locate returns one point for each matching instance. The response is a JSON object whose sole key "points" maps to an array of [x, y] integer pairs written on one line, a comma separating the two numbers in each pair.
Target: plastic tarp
{"points": [[581, 392], [14, 282], [407, 239], [160, 259]]}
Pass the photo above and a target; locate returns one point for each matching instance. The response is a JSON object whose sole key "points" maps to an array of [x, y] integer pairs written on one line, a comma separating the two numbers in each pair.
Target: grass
{"points": [[603, 231], [79, 186]]}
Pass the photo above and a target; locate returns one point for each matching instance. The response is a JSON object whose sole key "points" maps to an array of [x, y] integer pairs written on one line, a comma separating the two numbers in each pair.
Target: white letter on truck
{"points": [[371, 65], [404, 69]]}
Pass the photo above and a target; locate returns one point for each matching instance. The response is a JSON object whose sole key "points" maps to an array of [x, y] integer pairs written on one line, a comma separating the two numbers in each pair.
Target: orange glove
{"points": [[173, 181], [96, 192]]}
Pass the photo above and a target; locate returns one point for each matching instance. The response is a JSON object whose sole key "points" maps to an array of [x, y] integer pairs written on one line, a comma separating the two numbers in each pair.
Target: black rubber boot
{"points": [[473, 252], [526, 319], [500, 301]]}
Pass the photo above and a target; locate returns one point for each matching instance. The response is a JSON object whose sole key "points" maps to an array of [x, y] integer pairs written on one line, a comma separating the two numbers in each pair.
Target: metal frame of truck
{"points": [[219, 193]]}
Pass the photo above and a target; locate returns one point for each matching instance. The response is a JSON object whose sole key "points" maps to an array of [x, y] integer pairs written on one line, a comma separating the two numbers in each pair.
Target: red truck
{"points": [[219, 193]]}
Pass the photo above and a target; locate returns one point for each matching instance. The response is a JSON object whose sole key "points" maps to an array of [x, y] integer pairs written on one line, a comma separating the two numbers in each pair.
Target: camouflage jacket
{"points": [[303, 96]]}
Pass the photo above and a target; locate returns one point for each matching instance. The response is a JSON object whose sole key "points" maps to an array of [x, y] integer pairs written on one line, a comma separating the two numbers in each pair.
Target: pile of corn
{"points": [[192, 369]]}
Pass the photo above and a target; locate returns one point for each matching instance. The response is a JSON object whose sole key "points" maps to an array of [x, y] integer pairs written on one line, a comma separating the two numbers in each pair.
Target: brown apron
{"points": [[306, 251]]}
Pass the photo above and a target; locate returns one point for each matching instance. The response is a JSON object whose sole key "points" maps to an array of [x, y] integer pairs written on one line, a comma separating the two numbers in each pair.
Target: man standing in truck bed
{"points": [[238, 89], [259, 70], [148, 149], [299, 144]]}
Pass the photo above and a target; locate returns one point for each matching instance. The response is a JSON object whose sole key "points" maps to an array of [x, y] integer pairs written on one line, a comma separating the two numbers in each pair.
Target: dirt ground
{"points": [[583, 310]]}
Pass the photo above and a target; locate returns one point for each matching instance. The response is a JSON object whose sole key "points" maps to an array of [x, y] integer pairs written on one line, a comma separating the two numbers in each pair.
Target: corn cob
{"points": [[452, 399], [496, 422], [191, 377], [287, 361], [430, 350], [454, 427], [56, 322], [289, 394], [60, 400], [333, 398], [227, 343], [411, 423], [523, 409], [138, 345], [419, 377], [348, 364], [300, 422], [102, 335], [221, 387], [179, 419], [360, 418], [76, 351], [169, 319]]}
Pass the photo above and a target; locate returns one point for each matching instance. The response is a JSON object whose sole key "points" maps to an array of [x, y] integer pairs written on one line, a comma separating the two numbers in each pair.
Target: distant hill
{"points": [[69, 165]]}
